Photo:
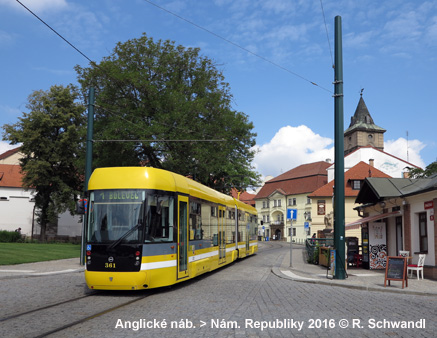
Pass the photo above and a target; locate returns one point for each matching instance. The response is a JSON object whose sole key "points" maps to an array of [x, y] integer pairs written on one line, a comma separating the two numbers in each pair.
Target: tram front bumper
{"points": [[102, 280]]}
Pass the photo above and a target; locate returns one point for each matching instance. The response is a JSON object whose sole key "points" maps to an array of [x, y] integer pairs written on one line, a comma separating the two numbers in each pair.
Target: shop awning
{"points": [[357, 223]]}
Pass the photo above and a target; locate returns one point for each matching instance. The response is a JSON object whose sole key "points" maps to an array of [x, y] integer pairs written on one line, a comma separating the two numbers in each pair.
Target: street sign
{"points": [[292, 214]]}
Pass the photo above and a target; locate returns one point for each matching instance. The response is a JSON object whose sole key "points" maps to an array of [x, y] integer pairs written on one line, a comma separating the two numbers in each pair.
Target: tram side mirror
{"points": [[81, 207]]}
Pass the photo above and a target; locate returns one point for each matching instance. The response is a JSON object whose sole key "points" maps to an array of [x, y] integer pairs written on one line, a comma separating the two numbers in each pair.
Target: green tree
{"points": [[174, 108], [421, 173], [51, 136]]}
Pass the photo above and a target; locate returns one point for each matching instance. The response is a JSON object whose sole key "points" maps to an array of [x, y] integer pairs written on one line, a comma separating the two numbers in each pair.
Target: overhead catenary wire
{"points": [[190, 22], [237, 45], [152, 140], [114, 114], [327, 34], [92, 62], [54, 31]]}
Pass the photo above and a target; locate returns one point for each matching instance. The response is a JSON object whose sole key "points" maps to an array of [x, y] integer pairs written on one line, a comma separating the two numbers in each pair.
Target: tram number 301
{"points": [[110, 265]]}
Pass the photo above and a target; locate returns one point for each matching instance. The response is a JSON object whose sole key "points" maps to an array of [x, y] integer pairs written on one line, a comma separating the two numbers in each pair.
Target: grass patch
{"points": [[18, 253]]}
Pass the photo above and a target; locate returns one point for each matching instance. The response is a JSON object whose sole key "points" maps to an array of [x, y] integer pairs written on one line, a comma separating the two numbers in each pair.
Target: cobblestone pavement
{"points": [[244, 299]]}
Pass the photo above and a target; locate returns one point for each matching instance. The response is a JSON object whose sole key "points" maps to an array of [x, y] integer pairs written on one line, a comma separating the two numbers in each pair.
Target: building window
{"points": [[268, 218], [320, 207], [308, 200], [279, 203], [274, 203], [292, 201], [423, 234], [294, 232], [356, 185], [264, 204]]}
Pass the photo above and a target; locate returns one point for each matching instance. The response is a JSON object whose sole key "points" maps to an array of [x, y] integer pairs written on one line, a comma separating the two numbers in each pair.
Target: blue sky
{"points": [[389, 49]]}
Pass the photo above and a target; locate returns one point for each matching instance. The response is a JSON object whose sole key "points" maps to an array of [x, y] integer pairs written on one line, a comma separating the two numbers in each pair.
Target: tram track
{"points": [[42, 308], [54, 318], [96, 315]]}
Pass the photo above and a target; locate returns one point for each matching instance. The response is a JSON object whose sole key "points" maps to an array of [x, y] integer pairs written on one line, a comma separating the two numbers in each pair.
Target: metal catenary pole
{"points": [[339, 214], [291, 243], [88, 164]]}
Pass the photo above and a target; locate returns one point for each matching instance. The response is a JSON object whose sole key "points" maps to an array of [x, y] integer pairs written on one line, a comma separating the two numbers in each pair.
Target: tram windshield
{"points": [[130, 216]]}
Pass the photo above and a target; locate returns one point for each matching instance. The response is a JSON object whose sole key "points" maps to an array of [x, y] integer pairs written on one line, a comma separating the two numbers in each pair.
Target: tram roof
{"points": [[158, 179]]}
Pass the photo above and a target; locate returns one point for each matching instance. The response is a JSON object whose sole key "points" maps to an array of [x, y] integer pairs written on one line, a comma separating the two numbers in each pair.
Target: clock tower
{"points": [[362, 131]]}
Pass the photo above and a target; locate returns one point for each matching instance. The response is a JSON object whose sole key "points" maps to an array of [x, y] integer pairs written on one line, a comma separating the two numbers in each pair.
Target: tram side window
{"points": [[213, 225], [159, 219], [230, 227], [206, 217], [252, 221], [196, 231]]}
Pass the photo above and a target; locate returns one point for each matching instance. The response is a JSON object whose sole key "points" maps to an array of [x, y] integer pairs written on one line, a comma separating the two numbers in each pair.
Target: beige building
{"points": [[321, 200], [289, 191]]}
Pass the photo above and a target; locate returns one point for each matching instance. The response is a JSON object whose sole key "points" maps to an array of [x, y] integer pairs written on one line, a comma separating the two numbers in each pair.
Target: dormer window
{"points": [[356, 185]]}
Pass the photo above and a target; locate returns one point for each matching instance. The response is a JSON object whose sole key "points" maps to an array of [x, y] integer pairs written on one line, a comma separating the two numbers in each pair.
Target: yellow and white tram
{"points": [[148, 228]]}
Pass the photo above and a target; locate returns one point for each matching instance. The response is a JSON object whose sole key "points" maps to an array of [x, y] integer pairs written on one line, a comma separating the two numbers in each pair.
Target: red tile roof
{"points": [[10, 176], [303, 179], [8, 153], [358, 172], [244, 197]]}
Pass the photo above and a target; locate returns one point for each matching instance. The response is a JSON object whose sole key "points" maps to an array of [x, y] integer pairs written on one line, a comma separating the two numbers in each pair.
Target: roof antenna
{"points": [[361, 93]]}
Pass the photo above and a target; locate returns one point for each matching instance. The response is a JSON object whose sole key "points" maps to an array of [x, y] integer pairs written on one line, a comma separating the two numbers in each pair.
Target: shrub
{"points": [[9, 236]]}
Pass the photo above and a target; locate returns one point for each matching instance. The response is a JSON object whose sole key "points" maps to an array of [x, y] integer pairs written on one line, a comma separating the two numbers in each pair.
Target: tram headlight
{"points": [[137, 263]]}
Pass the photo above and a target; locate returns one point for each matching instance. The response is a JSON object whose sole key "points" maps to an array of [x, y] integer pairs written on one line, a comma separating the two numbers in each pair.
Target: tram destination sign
{"points": [[118, 196]]}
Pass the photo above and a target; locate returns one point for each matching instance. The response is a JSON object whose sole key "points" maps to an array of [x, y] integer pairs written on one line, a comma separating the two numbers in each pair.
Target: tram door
{"points": [[183, 237], [222, 234], [247, 225]]}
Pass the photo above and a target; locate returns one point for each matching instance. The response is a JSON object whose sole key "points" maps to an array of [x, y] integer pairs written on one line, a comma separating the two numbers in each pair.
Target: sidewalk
{"points": [[361, 279], [40, 268]]}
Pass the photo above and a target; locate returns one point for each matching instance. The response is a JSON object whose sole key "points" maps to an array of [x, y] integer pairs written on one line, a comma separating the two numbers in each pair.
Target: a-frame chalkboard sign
{"points": [[396, 269]]}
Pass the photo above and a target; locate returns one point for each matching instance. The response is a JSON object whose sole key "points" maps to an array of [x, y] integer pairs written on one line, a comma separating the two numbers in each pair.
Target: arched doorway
{"points": [[278, 235]]}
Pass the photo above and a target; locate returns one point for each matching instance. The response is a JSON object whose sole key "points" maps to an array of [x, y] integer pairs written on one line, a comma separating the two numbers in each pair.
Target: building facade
{"points": [[321, 199], [402, 211], [289, 191], [17, 205]]}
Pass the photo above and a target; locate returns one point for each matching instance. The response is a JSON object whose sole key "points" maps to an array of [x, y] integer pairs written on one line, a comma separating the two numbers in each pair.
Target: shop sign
{"points": [[429, 205]]}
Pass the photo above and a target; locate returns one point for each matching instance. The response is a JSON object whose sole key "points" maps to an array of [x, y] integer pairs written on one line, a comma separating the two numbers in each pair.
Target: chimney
{"points": [[372, 162]]}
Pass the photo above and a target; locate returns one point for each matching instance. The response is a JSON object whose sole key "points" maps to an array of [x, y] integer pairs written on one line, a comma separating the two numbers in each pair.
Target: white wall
{"points": [[382, 161], [16, 212]]}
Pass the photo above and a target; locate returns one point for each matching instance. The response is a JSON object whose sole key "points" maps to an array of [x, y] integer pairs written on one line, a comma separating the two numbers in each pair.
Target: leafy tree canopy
{"points": [[174, 108], [50, 135], [421, 173]]}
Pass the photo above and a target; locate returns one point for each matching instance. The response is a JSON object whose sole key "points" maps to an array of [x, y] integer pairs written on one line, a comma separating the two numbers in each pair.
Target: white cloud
{"points": [[36, 5], [293, 146], [410, 152], [290, 147]]}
